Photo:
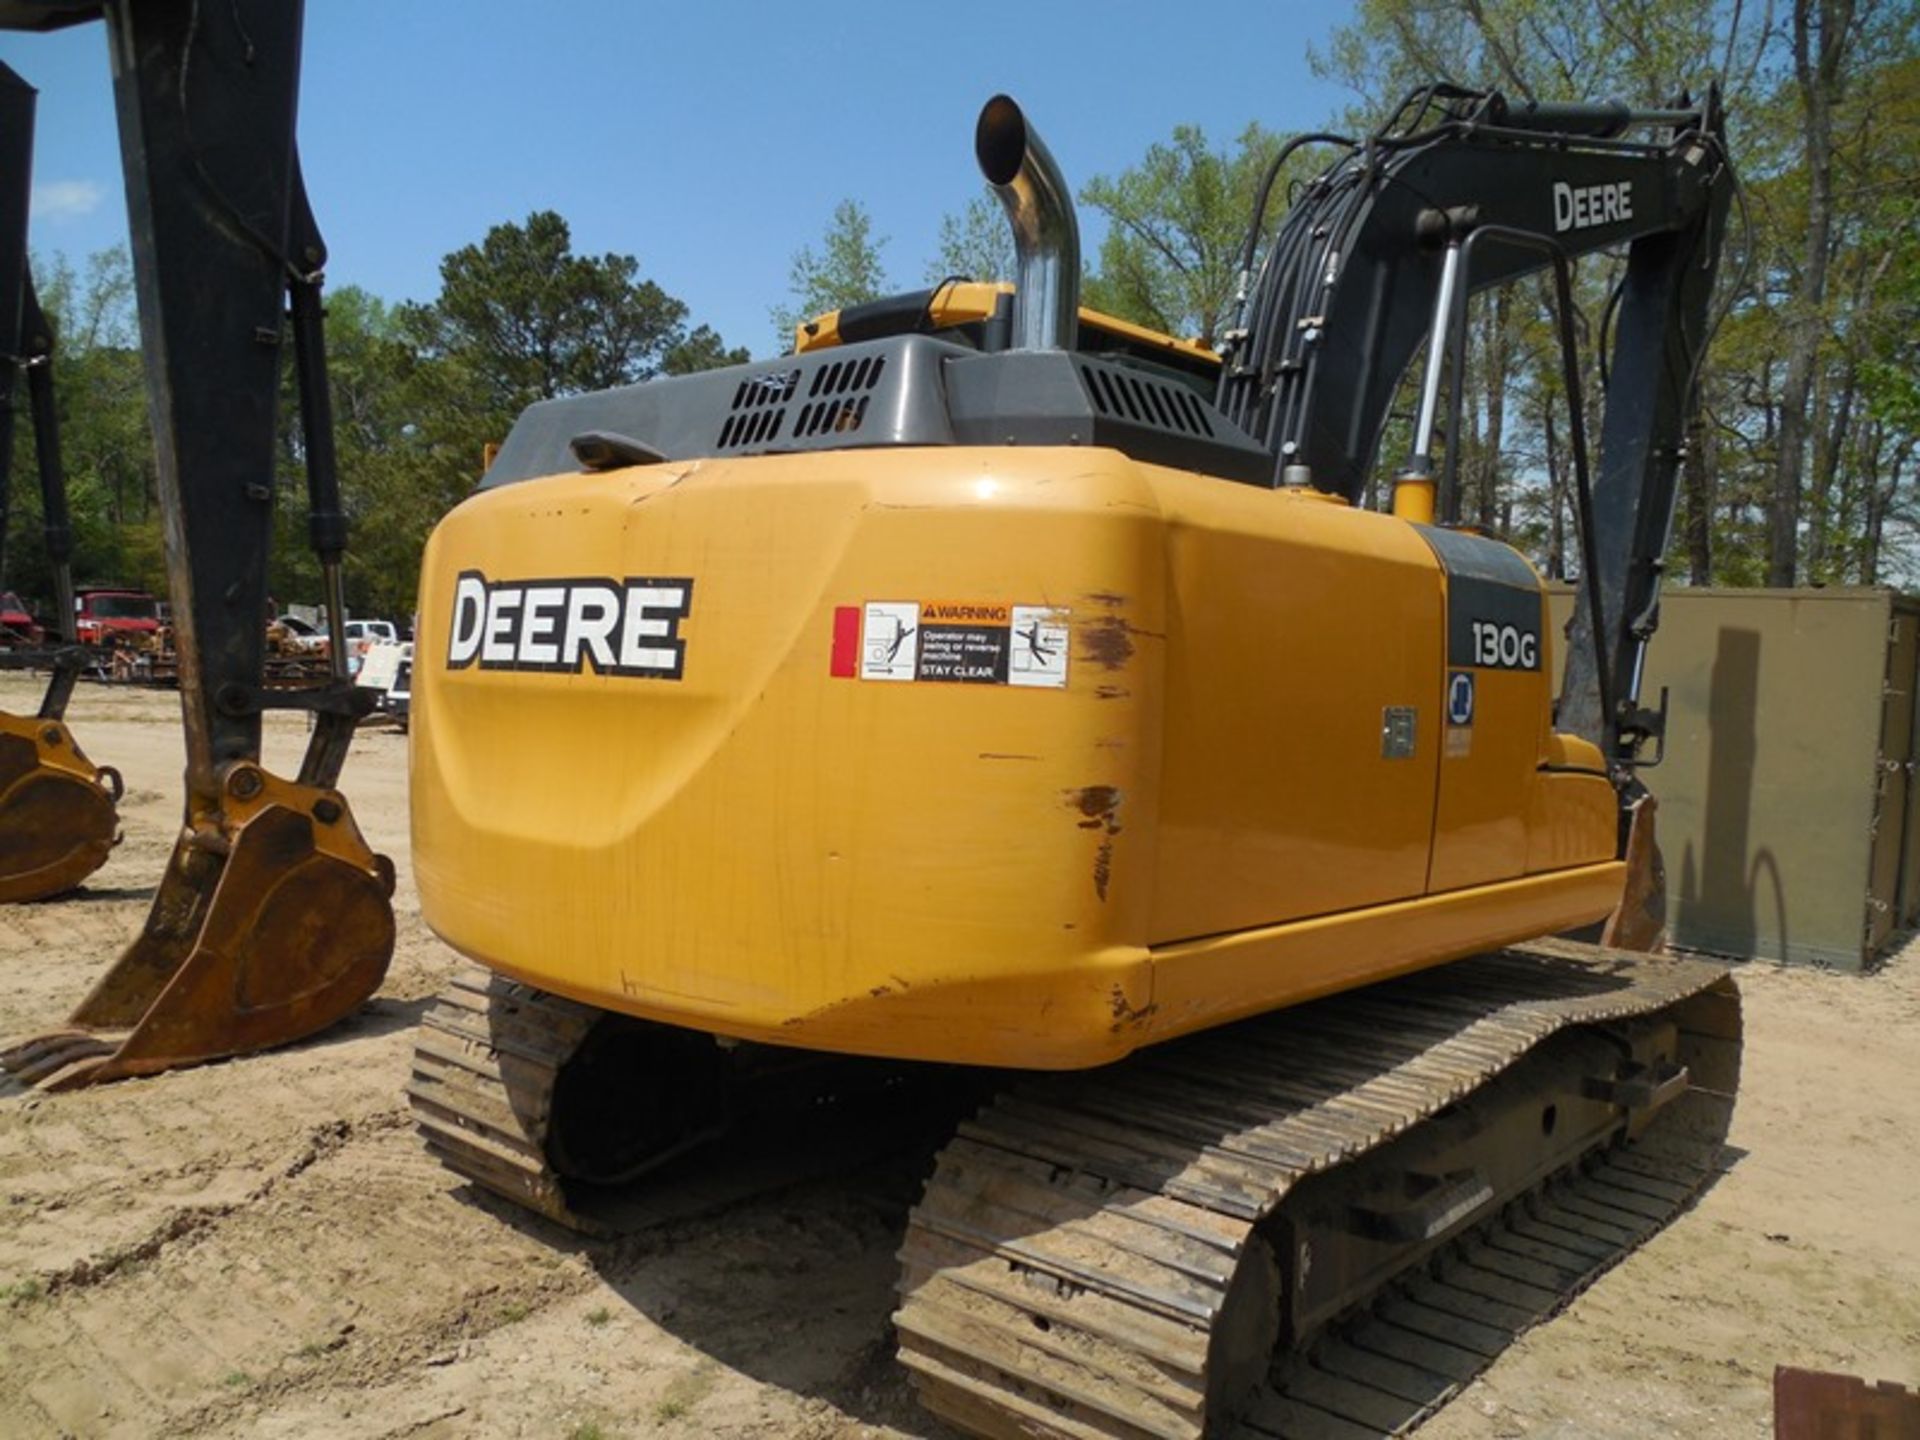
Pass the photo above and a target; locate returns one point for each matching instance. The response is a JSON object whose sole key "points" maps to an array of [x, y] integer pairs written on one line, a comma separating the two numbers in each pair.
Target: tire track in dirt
{"points": [[220, 1241], [768, 1319], [194, 1220], [88, 1173], [353, 1265]]}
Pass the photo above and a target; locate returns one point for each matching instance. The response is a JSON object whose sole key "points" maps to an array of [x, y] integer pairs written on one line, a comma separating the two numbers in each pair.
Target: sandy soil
{"points": [[261, 1248]]}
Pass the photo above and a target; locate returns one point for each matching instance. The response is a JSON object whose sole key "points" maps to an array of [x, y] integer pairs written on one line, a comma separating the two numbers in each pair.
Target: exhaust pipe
{"points": [[1046, 236]]}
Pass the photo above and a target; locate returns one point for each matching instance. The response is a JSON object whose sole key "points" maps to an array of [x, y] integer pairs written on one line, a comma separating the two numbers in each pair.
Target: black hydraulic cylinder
{"points": [[1601, 120], [56, 522], [326, 522], [26, 346], [16, 183]]}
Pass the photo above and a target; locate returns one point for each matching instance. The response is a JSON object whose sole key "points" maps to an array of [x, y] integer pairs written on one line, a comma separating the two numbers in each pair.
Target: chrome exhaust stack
{"points": [[1046, 235]]}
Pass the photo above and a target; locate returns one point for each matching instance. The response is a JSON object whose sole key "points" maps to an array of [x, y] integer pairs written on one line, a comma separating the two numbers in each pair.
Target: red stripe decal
{"points": [[846, 641]]}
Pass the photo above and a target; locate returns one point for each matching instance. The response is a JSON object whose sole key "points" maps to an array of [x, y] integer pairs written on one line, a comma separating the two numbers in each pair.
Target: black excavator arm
{"points": [[274, 916], [57, 817], [1460, 191]]}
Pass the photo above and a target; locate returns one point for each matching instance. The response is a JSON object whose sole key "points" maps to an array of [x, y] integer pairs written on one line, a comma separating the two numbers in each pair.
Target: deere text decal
{"points": [[616, 627]]}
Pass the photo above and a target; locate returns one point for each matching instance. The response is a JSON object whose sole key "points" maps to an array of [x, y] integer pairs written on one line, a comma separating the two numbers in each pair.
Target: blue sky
{"points": [[711, 141]]}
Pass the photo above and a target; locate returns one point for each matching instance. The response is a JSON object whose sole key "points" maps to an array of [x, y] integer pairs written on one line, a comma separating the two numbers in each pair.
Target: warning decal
{"points": [[957, 642], [1039, 646], [889, 640], [967, 644]]}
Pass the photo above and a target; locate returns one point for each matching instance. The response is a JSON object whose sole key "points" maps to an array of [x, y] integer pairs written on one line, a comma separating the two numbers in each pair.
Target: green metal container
{"points": [[1786, 796]]}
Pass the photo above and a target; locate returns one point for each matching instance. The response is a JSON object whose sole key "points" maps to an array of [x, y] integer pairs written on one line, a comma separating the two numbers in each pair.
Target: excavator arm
{"points": [[274, 916], [1460, 191], [1380, 252], [57, 818]]}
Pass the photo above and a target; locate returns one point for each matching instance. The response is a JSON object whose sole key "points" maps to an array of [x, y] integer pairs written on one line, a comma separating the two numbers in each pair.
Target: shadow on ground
{"points": [[793, 1287]]}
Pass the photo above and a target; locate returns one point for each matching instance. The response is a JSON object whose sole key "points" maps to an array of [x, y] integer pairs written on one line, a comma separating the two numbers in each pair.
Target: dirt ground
{"points": [[261, 1248]]}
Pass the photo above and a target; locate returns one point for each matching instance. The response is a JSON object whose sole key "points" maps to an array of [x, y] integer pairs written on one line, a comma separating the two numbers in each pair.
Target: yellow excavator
{"points": [[991, 683], [273, 919]]}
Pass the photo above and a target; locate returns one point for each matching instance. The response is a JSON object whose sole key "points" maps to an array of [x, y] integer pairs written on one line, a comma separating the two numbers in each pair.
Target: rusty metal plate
{"points": [[1819, 1405]]}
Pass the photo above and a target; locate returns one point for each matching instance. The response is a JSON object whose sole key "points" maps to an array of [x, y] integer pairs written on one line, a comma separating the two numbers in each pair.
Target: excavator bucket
{"points": [[57, 820], [269, 925], [1639, 921]]}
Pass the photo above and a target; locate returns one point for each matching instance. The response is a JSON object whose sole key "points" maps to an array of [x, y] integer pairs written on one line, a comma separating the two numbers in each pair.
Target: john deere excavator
{"points": [[992, 684], [57, 820], [273, 918], [995, 684]]}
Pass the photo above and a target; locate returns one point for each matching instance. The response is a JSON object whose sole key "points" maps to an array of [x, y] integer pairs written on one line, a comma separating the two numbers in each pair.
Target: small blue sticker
{"points": [[1460, 698]]}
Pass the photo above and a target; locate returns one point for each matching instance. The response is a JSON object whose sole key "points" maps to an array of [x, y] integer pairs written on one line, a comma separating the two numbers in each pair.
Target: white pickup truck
{"points": [[386, 667]]}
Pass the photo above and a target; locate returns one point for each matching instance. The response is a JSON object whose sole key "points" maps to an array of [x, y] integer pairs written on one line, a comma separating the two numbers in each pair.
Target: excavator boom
{"points": [[1380, 252]]}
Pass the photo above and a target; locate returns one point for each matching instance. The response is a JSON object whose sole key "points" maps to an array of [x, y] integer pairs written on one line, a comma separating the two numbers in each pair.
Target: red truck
{"points": [[18, 629], [107, 615]]}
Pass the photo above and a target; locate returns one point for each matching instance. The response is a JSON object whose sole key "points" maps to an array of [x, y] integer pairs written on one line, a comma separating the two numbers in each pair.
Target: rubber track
{"points": [[1062, 1272], [485, 1062], [1411, 1351], [484, 1065]]}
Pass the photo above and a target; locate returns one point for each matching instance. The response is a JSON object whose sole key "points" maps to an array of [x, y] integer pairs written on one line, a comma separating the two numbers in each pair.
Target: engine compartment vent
{"points": [[758, 409], [833, 395], [838, 395], [1120, 394]]}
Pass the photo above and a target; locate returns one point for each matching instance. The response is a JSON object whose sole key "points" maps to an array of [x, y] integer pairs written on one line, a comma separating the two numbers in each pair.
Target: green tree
{"points": [[975, 244], [418, 392], [422, 389], [845, 270], [701, 349], [105, 439], [1893, 369], [531, 320], [1177, 223]]}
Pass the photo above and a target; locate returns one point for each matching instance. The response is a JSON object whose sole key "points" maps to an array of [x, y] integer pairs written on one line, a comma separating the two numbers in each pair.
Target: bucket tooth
{"points": [[57, 818], [269, 925]]}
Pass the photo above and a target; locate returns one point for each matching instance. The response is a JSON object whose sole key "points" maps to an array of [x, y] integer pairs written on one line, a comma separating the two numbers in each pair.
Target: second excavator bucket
{"points": [[270, 924], [57, 820], [1639, 921]]}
